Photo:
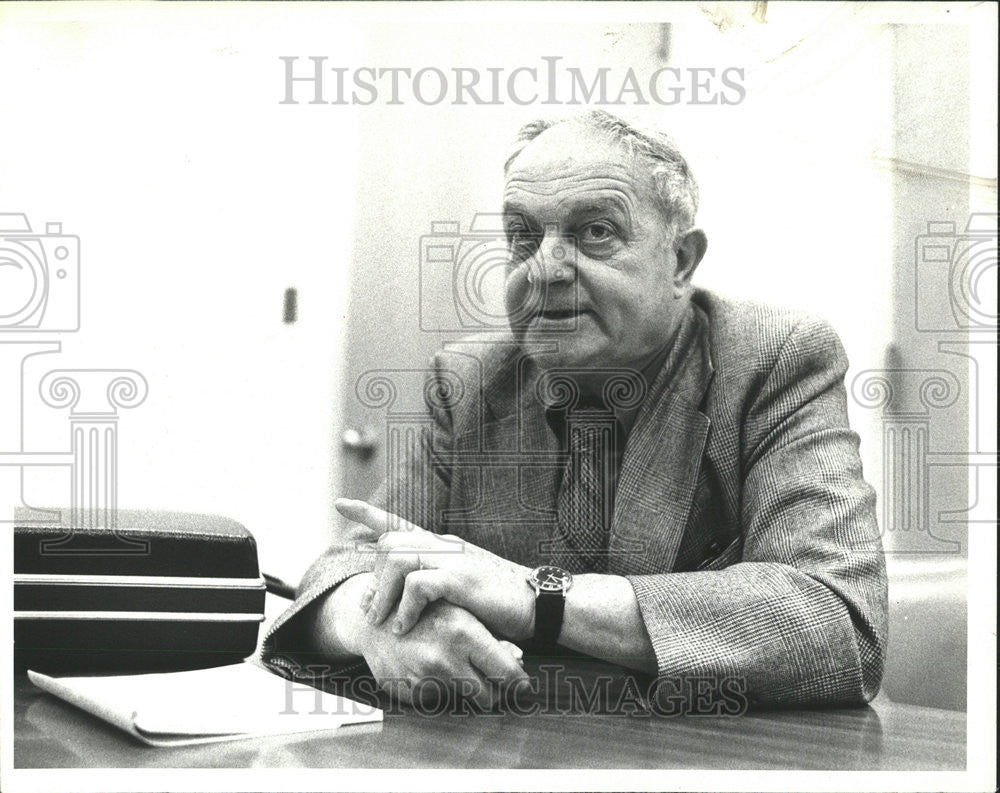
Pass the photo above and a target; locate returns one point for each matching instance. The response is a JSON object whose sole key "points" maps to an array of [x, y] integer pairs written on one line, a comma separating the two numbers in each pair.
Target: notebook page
{"points": [[221, 703]]}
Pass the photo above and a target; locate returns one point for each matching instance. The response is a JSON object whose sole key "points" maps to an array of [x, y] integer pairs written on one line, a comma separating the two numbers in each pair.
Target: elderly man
{"points": [[644, 472]]}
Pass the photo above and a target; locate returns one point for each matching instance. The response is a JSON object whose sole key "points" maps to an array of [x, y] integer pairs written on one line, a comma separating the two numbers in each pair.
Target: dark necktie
{"points": [[585, 504]]}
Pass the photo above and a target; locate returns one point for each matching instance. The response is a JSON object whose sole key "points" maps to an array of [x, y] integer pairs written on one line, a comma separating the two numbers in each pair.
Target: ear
{"points": [[690, 247]]}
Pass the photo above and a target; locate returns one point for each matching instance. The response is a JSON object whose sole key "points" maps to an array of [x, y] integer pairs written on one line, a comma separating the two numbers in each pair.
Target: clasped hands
{"points": [[418, 573]]}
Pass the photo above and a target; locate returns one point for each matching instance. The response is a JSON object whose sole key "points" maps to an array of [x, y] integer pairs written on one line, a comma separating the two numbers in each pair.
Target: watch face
{"points": [[550, 578]]}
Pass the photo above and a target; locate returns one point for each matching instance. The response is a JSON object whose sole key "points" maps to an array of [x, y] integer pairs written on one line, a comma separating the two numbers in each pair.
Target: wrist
{"points": [[524, 605], [550, 585], [342, 619]]}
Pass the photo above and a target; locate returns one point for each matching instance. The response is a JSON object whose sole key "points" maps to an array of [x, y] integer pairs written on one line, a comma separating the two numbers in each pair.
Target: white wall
{"points": [[155, 134]]}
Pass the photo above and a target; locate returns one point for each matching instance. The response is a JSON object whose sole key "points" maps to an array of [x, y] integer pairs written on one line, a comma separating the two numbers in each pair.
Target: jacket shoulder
{"points": [[749, 336], [476, 370], [482, 357]]}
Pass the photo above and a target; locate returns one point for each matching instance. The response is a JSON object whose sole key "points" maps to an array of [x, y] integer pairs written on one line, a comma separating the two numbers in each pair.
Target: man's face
{"points": [[584, 225]]}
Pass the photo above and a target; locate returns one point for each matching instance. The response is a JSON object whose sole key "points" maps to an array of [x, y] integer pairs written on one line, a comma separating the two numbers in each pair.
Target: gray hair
{"points": [[675, 184]]}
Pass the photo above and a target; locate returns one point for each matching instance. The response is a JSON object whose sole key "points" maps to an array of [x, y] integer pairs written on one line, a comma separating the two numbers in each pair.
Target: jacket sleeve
{"points": [[800, 616], [415, 488]]}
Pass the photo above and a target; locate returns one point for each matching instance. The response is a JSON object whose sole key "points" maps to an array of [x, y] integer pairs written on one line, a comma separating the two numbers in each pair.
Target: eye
{"points": [[597, 233]]}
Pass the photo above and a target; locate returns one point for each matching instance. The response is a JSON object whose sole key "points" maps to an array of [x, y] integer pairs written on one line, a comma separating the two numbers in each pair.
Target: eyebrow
{"points": [[573, 209], [602, 204]]}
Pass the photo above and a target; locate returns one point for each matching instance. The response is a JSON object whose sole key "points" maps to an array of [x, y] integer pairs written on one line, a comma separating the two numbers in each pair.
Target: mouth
{"points": [[562, 317], [560, 314]]}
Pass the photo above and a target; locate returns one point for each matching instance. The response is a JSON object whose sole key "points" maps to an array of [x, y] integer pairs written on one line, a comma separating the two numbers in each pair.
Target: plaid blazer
{"points": [[741, 516]]}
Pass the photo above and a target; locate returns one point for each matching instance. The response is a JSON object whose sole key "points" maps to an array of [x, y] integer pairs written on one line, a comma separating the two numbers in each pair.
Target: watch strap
{"points": [[549, 608]]}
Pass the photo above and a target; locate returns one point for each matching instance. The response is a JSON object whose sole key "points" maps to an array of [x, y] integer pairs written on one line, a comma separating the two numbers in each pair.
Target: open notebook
{"points": [[206, 705]]}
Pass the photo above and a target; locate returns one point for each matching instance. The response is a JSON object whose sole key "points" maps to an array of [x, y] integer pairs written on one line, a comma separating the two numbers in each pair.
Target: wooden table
{"points": [[51, 734]]}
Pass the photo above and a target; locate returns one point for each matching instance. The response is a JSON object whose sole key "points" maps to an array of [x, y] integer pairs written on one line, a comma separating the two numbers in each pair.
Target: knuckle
{"points": [[407, 563], [442, 619], [397, 539], [435, 666], [415, 585], [461, 632], [392, 566]]}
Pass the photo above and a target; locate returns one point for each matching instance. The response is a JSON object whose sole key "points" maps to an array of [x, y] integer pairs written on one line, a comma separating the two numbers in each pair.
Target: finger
{"points": [[378, 520], [360, 532], [360, 537], [389, 587], [390, 554], [473, 685], [355, 533], [419, 588], [383, 552], [496, 662], [485, 691], [392, 558], [378, 564], [515, 652]]}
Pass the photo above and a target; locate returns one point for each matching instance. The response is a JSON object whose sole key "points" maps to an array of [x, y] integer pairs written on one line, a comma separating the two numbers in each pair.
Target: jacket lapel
{"points": [[662, 460]]}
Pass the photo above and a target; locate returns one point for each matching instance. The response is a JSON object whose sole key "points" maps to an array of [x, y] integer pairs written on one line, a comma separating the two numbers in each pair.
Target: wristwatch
{"points": [[551, 584]]}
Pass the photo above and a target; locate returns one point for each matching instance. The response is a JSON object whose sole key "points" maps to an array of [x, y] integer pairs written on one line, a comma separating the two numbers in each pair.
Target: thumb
{"points": [[515, 652]]}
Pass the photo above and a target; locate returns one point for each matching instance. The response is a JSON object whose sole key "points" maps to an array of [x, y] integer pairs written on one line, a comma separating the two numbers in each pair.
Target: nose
{"points": [[551, 261]]}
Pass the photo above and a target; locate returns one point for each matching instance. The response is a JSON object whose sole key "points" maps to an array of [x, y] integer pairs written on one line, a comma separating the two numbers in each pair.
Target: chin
{"points": [[570, 354]]}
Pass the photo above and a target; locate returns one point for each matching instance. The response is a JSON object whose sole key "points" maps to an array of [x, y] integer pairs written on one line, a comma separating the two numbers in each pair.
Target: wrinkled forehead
{"points": [[563, 163]]}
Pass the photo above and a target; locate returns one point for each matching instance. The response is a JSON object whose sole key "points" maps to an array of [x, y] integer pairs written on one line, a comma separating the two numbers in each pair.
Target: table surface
{"points": [[48, 733]]}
